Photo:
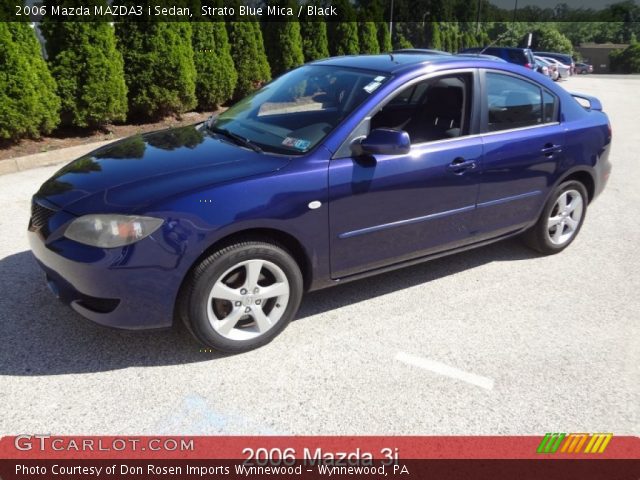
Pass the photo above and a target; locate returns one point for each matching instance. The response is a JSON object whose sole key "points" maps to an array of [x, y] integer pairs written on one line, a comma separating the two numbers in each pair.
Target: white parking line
{"points": [[446, 370]]}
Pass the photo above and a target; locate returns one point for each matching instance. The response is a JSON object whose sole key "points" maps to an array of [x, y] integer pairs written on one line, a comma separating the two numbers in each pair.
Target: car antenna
{"points": [[500, 37]]}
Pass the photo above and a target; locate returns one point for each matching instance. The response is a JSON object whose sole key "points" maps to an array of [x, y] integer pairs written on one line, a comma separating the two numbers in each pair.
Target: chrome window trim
{"points": [[519, 129]]}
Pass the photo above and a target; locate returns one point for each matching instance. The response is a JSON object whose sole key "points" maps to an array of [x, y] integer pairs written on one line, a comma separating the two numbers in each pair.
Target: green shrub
{"points": [[216, 76], [29, 105], [248, 57], [261, 54], [282, 41], [158, 66], [368, 38], [384, 38], [314, 39], [436, 37], [344, 34], [344, 38], [88, 70]]}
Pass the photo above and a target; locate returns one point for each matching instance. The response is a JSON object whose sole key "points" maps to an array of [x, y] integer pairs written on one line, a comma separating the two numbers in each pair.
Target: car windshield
{"points": [[298, 110]]}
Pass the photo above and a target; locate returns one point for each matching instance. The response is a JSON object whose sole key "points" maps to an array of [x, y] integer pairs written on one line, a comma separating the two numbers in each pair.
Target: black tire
{"points": [[192, 304], [537, 237]]}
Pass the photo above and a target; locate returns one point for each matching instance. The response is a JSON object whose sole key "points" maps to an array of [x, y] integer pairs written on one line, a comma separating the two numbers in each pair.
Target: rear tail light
{"points": [[528, 65]]}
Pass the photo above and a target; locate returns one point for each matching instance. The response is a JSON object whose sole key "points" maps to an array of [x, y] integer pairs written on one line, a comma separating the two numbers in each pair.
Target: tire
{"points": [[558, 226], [242, 296]]}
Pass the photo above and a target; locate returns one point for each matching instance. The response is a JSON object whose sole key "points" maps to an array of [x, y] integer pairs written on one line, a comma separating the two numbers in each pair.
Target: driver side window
{"points": [[434, 109]]}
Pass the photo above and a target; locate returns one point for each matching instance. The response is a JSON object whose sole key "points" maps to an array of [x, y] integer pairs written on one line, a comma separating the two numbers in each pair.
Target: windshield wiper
{"points": [[239, 139]]}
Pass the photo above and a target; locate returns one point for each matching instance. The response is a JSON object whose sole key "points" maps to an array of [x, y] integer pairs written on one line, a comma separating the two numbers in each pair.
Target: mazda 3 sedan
{"points": [[339, 169]]}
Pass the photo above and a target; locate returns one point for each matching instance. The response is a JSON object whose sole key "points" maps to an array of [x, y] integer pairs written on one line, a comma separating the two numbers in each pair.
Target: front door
{"points": [[386, 209]]}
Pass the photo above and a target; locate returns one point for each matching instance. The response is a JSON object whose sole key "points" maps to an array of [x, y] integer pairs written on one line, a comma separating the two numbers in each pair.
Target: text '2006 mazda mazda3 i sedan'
{"points": [[339, 169]]}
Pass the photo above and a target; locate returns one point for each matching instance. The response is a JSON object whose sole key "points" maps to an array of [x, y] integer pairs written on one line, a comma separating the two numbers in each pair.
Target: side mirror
{"points": [[383, 141]]}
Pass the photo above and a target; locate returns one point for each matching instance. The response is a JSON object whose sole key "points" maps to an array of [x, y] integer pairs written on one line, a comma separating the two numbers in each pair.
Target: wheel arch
{"points": [[583, 176], [286, 240]]}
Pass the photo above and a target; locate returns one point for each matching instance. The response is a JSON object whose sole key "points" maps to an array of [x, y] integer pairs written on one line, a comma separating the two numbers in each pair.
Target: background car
{"points": [[552, 68], [481, 56], [541, 68], [563, 58], [583, 68], [519, 56], [564, 71], [342, 168]]}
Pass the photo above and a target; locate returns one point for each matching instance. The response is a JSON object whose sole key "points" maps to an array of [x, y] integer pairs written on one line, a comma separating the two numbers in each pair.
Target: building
{"points": [[597, 54]]}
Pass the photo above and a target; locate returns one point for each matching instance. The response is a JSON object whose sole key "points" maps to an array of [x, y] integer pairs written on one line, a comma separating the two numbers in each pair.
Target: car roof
{"points": [[493, 47], [421, 51], [391, 62]]}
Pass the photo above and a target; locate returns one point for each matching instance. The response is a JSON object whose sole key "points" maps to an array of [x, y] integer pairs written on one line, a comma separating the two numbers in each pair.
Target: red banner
{"points": [[46, 457], [298, 447]]}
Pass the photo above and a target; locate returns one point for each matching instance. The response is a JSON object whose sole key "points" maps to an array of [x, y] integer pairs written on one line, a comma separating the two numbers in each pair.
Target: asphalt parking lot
{"points": [[493, 341]]}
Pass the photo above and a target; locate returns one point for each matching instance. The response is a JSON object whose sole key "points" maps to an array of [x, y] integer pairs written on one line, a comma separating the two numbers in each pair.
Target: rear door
{"points": [[523, 143]]}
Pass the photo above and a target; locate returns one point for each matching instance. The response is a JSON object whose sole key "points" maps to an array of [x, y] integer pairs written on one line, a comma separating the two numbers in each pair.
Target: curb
{"points": [[54, 157]]}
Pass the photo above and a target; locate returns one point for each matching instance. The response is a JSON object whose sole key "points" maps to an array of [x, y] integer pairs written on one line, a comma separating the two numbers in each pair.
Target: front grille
{"points": [[40, 216]]}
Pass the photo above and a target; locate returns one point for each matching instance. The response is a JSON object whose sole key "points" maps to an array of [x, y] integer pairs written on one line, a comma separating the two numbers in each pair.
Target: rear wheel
{"points": [[561, 219], [242, 296]]}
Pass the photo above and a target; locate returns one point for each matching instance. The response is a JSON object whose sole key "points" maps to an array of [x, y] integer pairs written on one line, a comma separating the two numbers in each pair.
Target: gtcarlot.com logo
{"points": [[574, 443]]}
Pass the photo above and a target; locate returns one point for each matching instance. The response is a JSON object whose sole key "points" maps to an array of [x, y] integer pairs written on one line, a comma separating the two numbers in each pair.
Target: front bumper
{"points": [[133, 287]]}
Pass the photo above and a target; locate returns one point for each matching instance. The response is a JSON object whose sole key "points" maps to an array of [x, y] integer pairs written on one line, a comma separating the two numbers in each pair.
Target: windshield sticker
{"points": [[379, 79], [372, 86], [297, 143]]}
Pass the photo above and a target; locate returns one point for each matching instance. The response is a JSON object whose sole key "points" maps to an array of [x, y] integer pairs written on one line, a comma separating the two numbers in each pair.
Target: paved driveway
{"points": [[492, 341]]}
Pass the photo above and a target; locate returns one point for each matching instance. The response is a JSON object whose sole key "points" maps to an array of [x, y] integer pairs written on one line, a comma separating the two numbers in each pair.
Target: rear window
{"points": [[517, 56], [515, 103]]}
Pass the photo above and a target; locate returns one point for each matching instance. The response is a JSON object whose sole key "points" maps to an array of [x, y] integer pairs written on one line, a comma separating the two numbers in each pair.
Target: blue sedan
{"points": [[339, 169]]}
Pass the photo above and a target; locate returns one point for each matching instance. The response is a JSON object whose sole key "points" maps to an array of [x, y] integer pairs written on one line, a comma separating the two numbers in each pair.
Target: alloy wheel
{"points": [[565, 217], [248, 299]]}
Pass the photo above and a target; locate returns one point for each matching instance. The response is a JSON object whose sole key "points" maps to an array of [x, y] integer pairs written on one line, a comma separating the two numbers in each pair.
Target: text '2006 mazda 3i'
{"points": [[339, 169]]}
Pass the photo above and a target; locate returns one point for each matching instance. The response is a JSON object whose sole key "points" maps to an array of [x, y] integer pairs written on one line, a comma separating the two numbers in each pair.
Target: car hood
{"points": [[138, 171]]}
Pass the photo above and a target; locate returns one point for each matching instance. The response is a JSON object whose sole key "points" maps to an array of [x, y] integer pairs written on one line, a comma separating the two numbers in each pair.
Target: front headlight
{"points": [[111, 230]]}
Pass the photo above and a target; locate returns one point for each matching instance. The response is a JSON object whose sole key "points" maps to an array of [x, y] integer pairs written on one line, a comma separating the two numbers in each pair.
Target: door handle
{"points": [[549, 149], [460, 165]]}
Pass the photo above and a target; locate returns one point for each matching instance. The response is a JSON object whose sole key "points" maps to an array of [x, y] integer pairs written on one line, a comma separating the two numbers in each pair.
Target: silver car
{"points": [[552, 68], [563, 70]]}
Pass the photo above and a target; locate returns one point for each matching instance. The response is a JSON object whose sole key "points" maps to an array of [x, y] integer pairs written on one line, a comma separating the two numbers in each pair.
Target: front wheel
{"points": [[560, 220], [242, 296]]}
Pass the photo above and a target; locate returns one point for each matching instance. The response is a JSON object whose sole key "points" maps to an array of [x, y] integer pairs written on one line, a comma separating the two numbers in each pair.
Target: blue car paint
{"points": [[400, 210]]}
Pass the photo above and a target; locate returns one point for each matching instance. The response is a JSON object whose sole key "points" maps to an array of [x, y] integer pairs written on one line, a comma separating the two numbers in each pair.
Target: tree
{"points": [[436, 37], [159, 68], [261, 54], [368, 38], [401, 42], [216, 76], [384, 37], [314, 39], [89, 71], [548, 39], [245, 53], [627, 60], [344, 34], [29, 105], [282, 40]]}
